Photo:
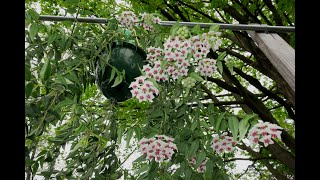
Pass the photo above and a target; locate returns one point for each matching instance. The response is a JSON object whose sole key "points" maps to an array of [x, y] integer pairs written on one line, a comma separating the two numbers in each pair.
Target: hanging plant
{"points": [[124, 59]]}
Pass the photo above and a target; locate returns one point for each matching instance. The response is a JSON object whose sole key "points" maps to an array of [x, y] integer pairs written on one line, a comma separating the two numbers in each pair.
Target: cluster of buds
{"points": [[264, 132], [183, 32], [202, 166], [143, 89], [189, 82], [128, 19], [159, 148], [222, 143]]}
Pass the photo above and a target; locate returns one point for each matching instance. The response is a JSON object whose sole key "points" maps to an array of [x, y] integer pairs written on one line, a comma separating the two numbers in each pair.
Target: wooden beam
{"points": [[279, 52]]}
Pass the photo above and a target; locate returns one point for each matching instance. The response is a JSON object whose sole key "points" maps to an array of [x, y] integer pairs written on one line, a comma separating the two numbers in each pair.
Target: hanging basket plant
{"points": [[121, 63], [127, 58]]}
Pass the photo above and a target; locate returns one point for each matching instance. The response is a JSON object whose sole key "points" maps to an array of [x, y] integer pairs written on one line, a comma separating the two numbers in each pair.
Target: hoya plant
{"points": [[101, 96]]}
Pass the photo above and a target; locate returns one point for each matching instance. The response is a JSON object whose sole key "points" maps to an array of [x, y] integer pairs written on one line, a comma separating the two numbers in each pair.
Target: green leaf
{"points": [[158, 42], [51, 38], [212, 121], [154, 82], [187, 91], [71, 1], [117, 81], [174, 28], [234, 126], [244, 125], [223, 125], [76, 147], [33, 30], [209, 169], [214, 27], [112, 24], [139, 159], [189, 56], [45, 70], [27, 73], [73, 77], [71, 10], [196, 76], [200, 157], [204, 124], [187, 173], [35, 168], [230, 67], [59, 79], [80, 129], [164, 64], [142, 169], [113, 72], [219, 65], [137, 131], [119, 133], [221, 56], [196, 29], [193, 148], [218, 121], [194, 125], [129, 136], [28, 89], [34, 15]]}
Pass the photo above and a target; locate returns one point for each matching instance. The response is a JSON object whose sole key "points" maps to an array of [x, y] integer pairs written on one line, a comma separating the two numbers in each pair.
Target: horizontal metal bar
{"points": [[236, 27], [73, 19]]}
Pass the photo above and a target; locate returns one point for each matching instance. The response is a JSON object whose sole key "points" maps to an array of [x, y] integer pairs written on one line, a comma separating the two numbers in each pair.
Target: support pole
{"points": [[279, 53]]}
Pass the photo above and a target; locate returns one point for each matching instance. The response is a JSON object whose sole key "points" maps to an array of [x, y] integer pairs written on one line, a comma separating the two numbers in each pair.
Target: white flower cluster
{"points": [[200, 47], [202, 166], [222, 143], [207, 66], [160, 147], [143, 89], [189, 82], [264, 132], [178, 53], [128, 19]]}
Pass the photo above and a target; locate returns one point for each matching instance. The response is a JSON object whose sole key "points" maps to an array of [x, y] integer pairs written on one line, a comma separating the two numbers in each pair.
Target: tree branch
{"points": [[214, 99], [200, 12], [176, 9], [275, 14], [236, 15], [274, 172], [247, 11], [264, 90], [224, 85]]}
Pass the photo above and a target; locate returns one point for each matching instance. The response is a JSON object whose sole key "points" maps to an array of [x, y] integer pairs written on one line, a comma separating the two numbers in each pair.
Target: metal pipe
{"points": [[236, 27], [73, 19]]}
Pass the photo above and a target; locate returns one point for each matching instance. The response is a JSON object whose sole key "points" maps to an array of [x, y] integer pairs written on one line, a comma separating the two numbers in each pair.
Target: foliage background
{"points": [[63, 105]]}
